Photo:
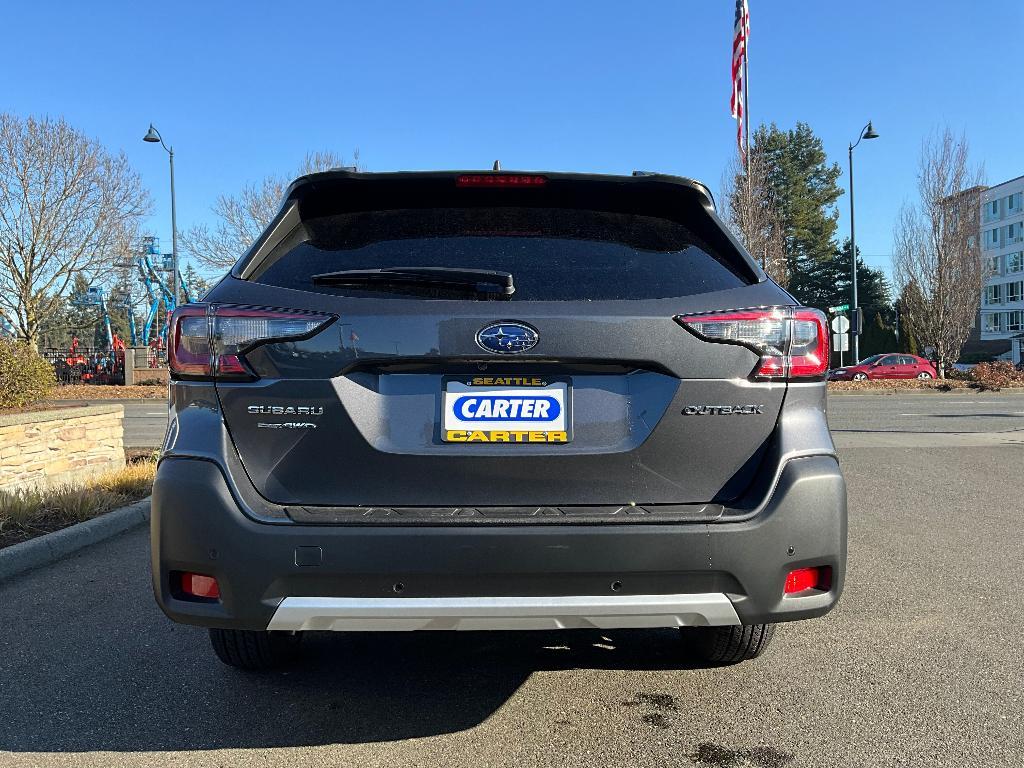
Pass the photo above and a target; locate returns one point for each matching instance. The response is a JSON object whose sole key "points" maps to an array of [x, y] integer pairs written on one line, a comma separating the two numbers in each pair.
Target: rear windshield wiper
{"points": [[488, 282]]}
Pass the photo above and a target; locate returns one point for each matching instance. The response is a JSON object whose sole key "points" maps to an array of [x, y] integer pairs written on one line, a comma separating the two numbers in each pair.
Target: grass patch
{"points": [[27, 513]]}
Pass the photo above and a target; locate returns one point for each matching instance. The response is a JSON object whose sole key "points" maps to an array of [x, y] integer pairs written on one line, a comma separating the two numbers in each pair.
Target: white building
{"points": [[1002, 248]]}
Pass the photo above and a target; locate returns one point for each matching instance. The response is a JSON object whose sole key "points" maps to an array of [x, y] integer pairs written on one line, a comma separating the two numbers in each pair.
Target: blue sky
{"points": [[243, 90]]}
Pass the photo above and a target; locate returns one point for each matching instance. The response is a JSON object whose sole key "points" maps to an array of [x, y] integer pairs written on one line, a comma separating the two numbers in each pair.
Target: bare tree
{"points": [[752, 212], [67, 206], [243, 217], [936, 259]]}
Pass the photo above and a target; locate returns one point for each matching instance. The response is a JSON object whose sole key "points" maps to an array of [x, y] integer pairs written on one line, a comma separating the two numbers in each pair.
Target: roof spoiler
{"points": [[644, 193]]}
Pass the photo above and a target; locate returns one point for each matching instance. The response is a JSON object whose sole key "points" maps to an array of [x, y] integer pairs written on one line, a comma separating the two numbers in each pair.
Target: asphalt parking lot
{"points": [[922, 663]]}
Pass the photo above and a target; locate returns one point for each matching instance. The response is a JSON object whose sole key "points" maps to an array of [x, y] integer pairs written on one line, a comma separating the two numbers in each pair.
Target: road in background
{"points": [[953, 419], [957, 411], [145, 421], [920, 664]]}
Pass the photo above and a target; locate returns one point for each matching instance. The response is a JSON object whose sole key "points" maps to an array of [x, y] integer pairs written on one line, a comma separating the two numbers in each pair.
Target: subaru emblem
{"points": [[507, 338]]}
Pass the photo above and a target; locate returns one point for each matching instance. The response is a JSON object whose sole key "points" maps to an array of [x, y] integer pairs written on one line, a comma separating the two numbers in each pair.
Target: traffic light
{"points": [[857, 321]]}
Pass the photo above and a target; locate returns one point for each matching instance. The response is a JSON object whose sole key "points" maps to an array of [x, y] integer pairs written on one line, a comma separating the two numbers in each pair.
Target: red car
{"points": [[886, 367]]}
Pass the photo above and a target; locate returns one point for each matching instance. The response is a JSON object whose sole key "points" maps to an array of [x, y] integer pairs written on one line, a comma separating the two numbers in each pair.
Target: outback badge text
{"points": [[722, 410]]}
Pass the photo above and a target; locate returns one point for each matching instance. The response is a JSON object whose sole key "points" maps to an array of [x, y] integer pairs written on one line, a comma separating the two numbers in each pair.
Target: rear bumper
{"points": [[298, 577], [378, 614]]}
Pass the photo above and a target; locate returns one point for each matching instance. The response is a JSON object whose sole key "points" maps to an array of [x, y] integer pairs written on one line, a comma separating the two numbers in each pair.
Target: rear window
{"points": [[554, 254]]}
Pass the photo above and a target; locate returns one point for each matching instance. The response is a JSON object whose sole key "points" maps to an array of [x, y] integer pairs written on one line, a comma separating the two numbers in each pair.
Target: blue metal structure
{"points": [[150, 265], [95, 296], [186, 292], [132, 332], [124, 300]]}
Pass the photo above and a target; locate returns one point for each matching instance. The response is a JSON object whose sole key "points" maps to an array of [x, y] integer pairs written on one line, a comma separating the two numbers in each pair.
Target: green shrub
{"points": [[25, 377]]}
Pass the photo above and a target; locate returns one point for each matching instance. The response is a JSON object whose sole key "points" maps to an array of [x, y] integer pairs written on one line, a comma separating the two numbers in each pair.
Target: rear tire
{"points": [[247, 649], [924, 375], [722, 646]]}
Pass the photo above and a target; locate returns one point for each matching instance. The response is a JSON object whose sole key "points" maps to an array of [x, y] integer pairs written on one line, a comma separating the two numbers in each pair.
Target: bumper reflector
{"points": [[808, 578], [198, 585]]}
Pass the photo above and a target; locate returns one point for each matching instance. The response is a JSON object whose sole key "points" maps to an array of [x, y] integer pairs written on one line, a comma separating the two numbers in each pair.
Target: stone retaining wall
{"points": [[64, 445]]}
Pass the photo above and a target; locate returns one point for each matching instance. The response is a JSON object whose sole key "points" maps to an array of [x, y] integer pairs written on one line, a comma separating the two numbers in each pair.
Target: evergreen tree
{"points": [[87, 323], [907, 342], [118, 325], [120, 304], [197, 284], [825, 283], [874, 294], [53, 330], [829, 283], [81, 320], [878, 337], [805, 188]]}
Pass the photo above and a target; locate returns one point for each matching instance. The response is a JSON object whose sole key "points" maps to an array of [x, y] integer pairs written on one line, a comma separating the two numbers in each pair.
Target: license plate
{"points": [[506, 409]]}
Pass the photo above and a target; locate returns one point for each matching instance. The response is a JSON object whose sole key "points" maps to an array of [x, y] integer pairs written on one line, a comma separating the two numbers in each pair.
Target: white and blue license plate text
{"points": [[506, 409]]}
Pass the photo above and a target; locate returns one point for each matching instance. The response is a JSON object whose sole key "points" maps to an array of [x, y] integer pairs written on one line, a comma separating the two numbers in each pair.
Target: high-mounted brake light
{"points": [[209, 341], [792, 341], [500, 180]]}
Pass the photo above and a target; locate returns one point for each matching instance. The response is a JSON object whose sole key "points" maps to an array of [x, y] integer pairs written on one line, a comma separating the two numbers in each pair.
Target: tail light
{"points": [[209, 341], [792, 341]]}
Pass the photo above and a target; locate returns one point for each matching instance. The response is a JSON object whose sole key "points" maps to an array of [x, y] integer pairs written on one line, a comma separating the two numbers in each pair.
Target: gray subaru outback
{"points": [[488, 400]]}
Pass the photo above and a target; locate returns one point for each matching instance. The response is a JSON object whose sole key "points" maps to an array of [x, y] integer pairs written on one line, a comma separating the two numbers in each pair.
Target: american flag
{"points": [[740, 35]]}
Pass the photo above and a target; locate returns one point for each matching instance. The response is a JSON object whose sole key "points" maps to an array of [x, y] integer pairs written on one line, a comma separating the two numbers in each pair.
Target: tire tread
{"points": [[253, 650], [723, 646]]}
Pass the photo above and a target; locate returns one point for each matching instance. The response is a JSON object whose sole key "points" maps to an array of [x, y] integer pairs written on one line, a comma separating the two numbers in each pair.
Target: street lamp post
{"points": [[867, 132], [153, 136]]}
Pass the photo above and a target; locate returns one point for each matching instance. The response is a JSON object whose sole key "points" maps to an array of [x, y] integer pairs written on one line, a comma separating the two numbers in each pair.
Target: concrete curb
{"points": [[51, 547]]}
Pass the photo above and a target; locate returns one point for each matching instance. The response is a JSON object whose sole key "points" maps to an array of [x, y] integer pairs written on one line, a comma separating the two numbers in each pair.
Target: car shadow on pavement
{"points": [[166, 691]]}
